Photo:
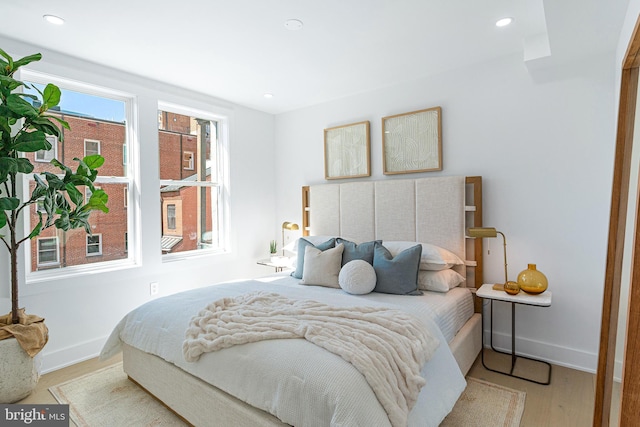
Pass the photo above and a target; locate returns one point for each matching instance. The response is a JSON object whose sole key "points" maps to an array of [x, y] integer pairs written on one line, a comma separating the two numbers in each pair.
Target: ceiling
{"points": [[238, 50]]}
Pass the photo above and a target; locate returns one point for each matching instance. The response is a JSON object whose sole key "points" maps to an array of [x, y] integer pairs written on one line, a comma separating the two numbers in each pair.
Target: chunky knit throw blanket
{"points": [[386, 346]]}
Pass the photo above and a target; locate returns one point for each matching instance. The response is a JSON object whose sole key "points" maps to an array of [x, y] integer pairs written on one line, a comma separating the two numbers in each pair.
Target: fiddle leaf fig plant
{"points": [[25, 123]]}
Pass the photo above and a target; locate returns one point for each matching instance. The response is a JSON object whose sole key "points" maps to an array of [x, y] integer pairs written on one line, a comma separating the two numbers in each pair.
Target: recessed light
{"points": [[268, 95], [293, 24], [504, 22], [52, 19]]}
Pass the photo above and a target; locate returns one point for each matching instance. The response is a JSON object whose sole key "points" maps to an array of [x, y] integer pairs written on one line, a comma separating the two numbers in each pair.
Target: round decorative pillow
{"points": [[357, 277]]}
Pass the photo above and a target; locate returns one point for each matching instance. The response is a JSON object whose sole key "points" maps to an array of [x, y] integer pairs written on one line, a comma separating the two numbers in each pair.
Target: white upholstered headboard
{"points": [[428, 210]]}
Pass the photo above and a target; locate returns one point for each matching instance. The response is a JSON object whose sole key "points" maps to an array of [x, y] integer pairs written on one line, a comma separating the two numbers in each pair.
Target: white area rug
{"points": [[108, 398]]}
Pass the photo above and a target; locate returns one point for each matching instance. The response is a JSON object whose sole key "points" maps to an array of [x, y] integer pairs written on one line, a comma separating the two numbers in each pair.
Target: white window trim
{"points": [[92, 140], [99, 244], [40, 206], [53, 140], [43, 264], [174, 216], [190, 166], [223, 118], [37, 280]]}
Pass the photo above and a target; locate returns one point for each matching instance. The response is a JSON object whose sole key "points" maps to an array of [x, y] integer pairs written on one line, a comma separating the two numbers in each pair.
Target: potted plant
{"points": [[273, 250], [25, 123]]}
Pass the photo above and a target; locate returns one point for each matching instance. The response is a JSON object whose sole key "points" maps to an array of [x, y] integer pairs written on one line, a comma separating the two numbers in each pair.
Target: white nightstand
{"points": [[486, 291], [279, 266]]}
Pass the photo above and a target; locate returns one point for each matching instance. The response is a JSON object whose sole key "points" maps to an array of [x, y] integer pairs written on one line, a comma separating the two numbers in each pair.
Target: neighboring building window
{"points": [[48, 155], [94, 244], [193, 171], [126, 242], [187, 160], [98, 124], [40, 206], [125, 196], [124, 154], [171, 217], [48, 251], [91, 147], [88, 193]]}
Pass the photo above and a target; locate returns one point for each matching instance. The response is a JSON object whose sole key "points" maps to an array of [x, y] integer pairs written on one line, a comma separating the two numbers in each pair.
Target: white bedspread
{"points": [[292, 379], [388, 347]]}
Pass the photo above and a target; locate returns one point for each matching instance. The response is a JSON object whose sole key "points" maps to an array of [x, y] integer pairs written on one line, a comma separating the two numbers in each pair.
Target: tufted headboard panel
{"points": [[428, 210]]}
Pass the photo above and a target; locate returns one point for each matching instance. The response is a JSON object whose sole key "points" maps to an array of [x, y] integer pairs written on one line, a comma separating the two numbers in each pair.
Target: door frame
{"points": [[630, 387]]}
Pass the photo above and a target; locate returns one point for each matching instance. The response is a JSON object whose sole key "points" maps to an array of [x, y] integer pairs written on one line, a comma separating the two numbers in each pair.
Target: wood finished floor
{"points": [[566, 402]]}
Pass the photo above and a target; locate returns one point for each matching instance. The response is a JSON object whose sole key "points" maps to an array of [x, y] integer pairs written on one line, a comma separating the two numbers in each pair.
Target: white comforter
{"points": [[388, 347], [298, 382]]}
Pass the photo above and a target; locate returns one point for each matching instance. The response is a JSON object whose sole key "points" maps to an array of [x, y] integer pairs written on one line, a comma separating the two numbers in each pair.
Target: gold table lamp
{"points": [[481, 232]]}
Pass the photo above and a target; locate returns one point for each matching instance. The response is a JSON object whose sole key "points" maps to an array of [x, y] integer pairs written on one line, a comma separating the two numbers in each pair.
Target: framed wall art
{"points": [[347, 151], [412, 142]]}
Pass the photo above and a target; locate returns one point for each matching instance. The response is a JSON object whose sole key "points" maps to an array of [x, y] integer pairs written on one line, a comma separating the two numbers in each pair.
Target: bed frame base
{"points": [[197, 402]]}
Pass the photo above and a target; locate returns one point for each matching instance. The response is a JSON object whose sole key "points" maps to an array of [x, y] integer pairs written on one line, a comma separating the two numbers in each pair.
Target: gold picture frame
{"points": [[347, 151], [412, 142]]}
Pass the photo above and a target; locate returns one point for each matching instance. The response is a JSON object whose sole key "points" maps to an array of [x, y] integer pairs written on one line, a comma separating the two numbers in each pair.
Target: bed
{"points": [[292, 381]]}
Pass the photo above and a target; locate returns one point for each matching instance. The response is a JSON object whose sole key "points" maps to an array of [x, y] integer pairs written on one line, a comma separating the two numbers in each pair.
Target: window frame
{"points": [[171, 220], [99, 244], [191, 164], [57, 251], [130, 178], [53, 140], [220, 182], [97, 141]]}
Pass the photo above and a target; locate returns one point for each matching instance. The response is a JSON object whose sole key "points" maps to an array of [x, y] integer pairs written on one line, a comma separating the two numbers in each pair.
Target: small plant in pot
{"points": [[25, 123]]}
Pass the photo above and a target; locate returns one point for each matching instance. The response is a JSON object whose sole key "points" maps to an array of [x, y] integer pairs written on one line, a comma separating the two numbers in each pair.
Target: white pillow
{"points": [[433, 257], [439, 281], [321, 268], [357, 277]]}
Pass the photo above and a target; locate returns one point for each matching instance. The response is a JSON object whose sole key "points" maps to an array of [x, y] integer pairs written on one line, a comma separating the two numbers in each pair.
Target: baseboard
{"points": [[58, 359], [554, 354]]}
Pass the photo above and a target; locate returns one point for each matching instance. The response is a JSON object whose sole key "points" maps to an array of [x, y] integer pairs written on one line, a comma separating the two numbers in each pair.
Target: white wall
{"points": [[80, 312], [543, 143]]}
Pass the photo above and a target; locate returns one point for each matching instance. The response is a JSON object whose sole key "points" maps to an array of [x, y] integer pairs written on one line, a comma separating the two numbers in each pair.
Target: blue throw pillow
{"points": [[302, 244], [397, 275], [353, 251]]}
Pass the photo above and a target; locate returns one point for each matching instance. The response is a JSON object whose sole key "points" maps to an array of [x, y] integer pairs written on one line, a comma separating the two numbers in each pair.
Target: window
{"points": [[40, 206], [125, 196], [91, 147], [48, 252], [88, 192], [187, 160], [48, 155], [193, 171], [171, 217], [99, 121], [94, 244]]}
